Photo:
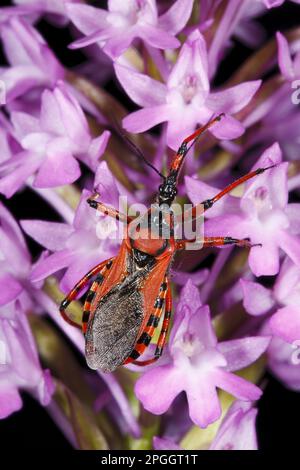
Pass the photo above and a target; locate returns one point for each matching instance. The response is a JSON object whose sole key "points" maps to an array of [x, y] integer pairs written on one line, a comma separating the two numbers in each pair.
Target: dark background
{"points": [[279, 410]]}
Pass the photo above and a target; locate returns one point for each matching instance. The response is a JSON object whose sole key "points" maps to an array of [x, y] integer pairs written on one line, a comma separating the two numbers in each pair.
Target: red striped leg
{"points": [[165, 326], [217, 242], [107, 210], [90, 297], [208, 203], [153, 321], [79, 286]]}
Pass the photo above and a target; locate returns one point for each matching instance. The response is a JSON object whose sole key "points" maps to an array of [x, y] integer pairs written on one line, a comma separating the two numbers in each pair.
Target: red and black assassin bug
{"points": [[131, 292]]}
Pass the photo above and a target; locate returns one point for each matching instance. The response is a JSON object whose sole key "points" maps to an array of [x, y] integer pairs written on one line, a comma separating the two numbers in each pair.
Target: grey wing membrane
{"points": [[111, 335]]}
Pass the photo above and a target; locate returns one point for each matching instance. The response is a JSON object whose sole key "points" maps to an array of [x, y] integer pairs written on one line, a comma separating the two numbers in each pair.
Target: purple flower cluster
{"points": [[236, 313]]}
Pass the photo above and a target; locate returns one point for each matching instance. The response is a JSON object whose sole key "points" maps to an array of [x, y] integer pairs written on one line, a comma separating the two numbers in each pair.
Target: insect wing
{"points": [[120, 314]]}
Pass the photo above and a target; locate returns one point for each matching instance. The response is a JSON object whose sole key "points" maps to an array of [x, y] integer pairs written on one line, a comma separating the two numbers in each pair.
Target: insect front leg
{"points": [[107, 210], [208, 203], [73, 294]]}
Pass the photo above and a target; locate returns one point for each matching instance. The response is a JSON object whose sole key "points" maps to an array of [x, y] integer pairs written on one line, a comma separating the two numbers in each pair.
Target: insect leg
{"points": [[218, 241], [222, 241], [107, 210], [73, 294], [165, 326], [90, 297], [208, 203], [152, 324]]}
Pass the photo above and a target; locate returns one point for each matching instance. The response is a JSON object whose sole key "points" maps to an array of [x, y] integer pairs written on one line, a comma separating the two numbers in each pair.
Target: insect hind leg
{"points": [[90, 297], [146, 336], [74, 293]]}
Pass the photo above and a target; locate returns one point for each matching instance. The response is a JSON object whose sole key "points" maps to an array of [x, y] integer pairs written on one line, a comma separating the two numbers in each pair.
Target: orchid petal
{"points": [[257, 299], [142, 89], [51, 235], [240, 353], [233, 99], [176, 17]]}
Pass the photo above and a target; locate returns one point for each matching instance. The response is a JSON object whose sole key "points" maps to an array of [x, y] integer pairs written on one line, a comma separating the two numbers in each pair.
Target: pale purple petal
{"points": [[58, 169], [11, 228], [158, 37], [228, 128], [97, 148], [168, 380], [10, 401], [257, 299], [189, 296], [199, 191], [192, 58], [236, 386], [20, 79], [51, 235], [51, 264], [273, 3], [285, 323], [200, 324], [74, 121], [144, 119], [180, 124], [143, 90], [283, 359], [176, 17], [264, 260], [10, 288], [291, 245], [286, 289], [78, 268], [50, 117], [100, 35], [24, 124], [293, 212], [86, 18], [228, 225], [204, 405], [271, 156], [45, 388], [284, 57], [189, 303], [239, 353], [237, 430], [197, 278], [119, 42], [105, 184], [232, 99], [13, 181]]}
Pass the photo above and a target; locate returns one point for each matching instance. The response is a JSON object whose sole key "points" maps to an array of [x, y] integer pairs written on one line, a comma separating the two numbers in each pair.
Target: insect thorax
{"points": [[150, 233]]}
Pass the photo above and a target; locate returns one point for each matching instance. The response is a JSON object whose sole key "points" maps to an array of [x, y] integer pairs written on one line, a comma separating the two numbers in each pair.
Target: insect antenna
{"points": [[136, 150]]}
